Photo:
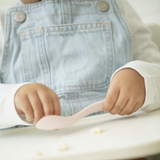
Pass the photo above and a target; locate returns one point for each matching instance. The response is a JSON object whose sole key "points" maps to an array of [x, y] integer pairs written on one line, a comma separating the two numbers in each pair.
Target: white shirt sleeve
{"points": [[146, 56], [146, 62], [8, 113]]}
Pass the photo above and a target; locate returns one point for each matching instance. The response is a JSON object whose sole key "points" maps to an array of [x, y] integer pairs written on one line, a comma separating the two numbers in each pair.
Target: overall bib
{"points": [[71, 46]]}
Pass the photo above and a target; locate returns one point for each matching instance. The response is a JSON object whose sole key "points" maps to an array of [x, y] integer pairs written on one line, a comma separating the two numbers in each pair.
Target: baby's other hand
{"points": [[36, 100], [126, 93]]}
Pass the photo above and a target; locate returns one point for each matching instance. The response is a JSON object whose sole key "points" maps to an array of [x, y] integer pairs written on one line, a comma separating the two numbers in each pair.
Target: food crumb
{"points": [[96, 130], [62, 146]]}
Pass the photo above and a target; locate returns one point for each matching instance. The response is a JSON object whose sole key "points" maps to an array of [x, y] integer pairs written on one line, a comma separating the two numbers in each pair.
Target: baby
{"points": [[57, 57]]}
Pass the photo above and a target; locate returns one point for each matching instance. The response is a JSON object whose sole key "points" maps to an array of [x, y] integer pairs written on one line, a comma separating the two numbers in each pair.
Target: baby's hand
{"points": [[126, 93], [36, 100]]}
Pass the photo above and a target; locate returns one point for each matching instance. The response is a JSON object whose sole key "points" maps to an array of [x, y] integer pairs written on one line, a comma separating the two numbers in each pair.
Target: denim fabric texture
{"points": [[70, 46]]}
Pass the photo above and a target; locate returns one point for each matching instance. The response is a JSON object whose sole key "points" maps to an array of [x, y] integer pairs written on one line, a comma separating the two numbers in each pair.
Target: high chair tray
{"points": [[124, 137]]}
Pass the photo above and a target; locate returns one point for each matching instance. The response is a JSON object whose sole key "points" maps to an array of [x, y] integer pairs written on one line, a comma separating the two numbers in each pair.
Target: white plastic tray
{"points": [[124, 137]]}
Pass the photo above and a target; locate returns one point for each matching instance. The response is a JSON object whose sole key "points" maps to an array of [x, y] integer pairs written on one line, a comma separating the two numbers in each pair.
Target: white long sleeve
{"points": [[146, 62], [8, 114]]}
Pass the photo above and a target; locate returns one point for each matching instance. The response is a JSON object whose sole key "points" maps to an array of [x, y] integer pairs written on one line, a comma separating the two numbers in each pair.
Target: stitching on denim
{"points": [[30, 7], [67, 9], [113, 51], [39, 57], [65, 31], [47, 64], [76, 98], [6, 41], [110, 50], [56, 32], [95, 87], [103, 25], [77, 25], [24, 75], [61, 15], [124, 25], [90, 89], [84, 100], [45, 59], [82, 85], [109, 55], [109, 58], [121, 20], [27, 72], [75, 30], [62, 11], [72, 107], [69, 15], [107, 49], [30, 35]]}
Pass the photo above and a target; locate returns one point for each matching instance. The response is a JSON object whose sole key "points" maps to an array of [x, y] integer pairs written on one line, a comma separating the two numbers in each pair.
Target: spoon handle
{"points": [[95, 107], [53, 122]]}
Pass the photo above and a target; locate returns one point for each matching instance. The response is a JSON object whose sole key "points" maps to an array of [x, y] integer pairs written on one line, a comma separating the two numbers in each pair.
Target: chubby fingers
{"points": [[50, 104], [111, 98], [47, 107], [119, 101], [35, 108], [42, 103], [56, 102]]}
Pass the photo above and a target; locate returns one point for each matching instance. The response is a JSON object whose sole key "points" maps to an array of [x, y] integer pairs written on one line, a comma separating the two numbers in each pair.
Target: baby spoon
{"points": [[53, 122]]}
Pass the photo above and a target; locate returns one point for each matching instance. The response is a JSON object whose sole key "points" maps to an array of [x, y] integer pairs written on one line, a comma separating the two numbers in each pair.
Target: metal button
{"points": [[103, 6], [19, 16]]}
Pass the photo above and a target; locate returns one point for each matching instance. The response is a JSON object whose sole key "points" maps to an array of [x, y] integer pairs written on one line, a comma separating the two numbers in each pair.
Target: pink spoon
{"points": [[53, 122]]}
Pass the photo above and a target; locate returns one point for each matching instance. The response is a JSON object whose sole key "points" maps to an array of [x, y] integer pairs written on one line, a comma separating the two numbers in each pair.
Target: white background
{"points": [[149, 10]]}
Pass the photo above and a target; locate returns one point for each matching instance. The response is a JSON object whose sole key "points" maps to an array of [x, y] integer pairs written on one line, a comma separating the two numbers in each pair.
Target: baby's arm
{"points": [[146, 61]]}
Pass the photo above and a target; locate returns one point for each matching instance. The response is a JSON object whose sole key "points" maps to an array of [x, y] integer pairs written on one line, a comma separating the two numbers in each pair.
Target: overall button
{"points": [[103, 6], [20, 17]]}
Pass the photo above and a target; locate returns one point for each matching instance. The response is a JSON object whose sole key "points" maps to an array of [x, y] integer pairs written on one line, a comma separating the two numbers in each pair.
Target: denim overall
{"points": [[70, 46]]}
